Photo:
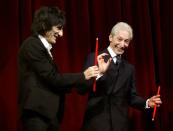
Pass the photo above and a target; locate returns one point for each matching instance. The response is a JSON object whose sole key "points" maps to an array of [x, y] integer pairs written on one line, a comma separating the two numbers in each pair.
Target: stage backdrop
{"points": [[150, 52]]}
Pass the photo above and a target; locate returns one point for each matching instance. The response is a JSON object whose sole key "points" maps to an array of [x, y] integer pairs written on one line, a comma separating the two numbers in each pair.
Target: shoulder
{"points": [[32, 42], [32, 46]]}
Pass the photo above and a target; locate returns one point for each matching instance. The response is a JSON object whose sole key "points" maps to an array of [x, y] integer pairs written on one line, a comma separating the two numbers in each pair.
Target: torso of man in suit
{"points": [[41, 85], [107, 108]]}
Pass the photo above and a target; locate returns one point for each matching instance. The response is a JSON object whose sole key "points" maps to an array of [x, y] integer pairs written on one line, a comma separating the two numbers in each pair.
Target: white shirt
{"points": [[46, 44], [113, 55]]}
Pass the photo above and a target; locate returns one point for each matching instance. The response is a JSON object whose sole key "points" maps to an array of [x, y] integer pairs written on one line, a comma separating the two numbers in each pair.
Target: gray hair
{"points": [[122, 26]]}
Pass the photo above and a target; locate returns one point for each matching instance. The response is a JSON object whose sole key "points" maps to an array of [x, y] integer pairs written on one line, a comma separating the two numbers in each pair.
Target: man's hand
{"points": [[90, 72], [103, 66], [154, 100]]}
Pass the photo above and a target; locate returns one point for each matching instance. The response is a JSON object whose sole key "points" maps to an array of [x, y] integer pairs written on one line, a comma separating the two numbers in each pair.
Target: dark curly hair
{"points": [[45, 18]]}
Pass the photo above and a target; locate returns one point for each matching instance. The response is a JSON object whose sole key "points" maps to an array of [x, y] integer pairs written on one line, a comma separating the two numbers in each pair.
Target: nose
{"points": [[124, 44], [60, 32]]}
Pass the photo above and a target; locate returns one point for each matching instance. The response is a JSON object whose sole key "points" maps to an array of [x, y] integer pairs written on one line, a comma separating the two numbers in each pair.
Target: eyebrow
{"points": [[120, 37], [59, 26]]}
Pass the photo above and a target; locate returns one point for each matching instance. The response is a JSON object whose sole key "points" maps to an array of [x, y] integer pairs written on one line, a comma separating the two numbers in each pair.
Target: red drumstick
{"points": [[95, 63], [155, 108]]}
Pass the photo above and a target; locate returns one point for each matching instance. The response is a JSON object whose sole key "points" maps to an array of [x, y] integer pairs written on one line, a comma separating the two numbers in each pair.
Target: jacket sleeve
{"points": [[83, 88], [135, 100], [36, 56]]}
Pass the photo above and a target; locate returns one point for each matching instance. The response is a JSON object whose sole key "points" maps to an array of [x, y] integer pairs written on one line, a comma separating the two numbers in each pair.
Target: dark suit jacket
{"points": [[42, 87], [107, 108]]}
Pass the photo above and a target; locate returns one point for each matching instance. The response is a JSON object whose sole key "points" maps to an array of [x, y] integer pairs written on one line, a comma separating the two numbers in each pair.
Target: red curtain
{"points": [[86, 20]]}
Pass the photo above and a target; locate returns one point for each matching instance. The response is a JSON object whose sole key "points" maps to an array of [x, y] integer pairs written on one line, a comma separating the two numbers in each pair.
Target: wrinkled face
{"points": [[119, 42], [53, 34]]}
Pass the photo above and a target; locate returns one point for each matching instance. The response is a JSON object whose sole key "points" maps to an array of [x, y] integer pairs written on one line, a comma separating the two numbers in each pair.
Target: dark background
{"points": [[150, 52]]}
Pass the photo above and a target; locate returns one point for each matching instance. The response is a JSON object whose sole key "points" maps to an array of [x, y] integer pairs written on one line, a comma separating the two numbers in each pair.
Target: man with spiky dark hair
{"points": [[41, 86]]}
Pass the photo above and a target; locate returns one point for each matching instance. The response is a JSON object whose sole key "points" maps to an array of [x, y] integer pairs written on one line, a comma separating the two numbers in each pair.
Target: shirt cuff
{"points": [[99, 75], [146, 105]]}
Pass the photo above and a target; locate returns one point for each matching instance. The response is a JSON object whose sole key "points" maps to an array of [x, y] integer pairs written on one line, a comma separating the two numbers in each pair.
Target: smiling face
{"points": [[120, 41], [53, 34]]}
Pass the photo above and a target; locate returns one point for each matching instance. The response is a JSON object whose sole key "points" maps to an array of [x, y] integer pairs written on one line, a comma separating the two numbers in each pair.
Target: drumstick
{"points": [[95, 63], [155, 108]]}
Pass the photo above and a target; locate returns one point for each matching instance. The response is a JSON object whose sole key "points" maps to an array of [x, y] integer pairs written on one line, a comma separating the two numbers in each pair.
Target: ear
{"points": [[110, 37]]}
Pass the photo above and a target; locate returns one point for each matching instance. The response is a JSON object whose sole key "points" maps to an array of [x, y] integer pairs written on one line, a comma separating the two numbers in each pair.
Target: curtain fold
{"points": [[87, 19]]}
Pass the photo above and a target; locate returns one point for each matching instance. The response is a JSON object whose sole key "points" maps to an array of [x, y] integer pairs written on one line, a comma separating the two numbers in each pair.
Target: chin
{"points": [[53, 42]]}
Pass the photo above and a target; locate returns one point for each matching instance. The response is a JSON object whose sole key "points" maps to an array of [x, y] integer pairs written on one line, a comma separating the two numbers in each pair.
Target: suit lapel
{"points": [[122, 73], [121, 77], [46, 52], [112, 72], [50, 58]]}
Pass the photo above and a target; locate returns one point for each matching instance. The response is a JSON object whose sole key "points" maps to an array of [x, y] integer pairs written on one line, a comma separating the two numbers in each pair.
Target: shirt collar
{"points": [[46, 44], [113, 55], [111, 52]]}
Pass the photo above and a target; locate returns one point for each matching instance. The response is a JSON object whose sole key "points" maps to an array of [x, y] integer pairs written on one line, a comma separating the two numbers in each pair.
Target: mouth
{"points": [[120, 50], [56, 35]]}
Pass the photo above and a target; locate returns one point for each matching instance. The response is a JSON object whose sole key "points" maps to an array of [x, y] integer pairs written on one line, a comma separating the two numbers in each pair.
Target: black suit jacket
{"points": [[41, 85], [107, 108]]}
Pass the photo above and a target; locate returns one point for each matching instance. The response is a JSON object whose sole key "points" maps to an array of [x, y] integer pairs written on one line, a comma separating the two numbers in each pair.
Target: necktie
{"points": [[114, 73], [118, 61]]}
